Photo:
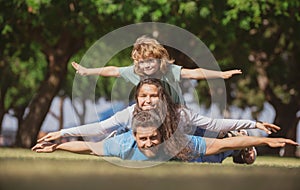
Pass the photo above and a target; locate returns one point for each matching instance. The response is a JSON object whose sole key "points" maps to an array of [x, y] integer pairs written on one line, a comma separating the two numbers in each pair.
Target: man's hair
{"points": [[146, 119], [149, 48]]}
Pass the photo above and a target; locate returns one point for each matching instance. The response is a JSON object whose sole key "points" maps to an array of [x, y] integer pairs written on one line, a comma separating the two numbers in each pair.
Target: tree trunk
{"points": [[287, 120], [285, 112], [2, 113], [29, 128], [58, 57]]}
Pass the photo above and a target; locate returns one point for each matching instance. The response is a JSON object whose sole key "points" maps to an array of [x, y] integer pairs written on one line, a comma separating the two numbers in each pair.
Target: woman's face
{"points": [[149, 67], [148, 97]]}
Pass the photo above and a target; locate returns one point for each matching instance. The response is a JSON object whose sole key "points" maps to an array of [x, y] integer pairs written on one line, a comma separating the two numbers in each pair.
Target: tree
{"points": [[261, 37]]}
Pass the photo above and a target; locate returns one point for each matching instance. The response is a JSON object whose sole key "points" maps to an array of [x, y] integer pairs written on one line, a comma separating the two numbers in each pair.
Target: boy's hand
{"points": [[80, 69], [228, 74]]}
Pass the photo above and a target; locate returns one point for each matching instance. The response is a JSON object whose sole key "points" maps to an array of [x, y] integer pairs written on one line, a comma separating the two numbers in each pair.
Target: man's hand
{"points": [[280, 142], [46, 147]]}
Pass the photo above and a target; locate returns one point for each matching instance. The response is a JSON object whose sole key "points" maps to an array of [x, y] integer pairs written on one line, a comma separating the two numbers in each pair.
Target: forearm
{"points": [[217, 125], [120, 119], [241, 142], [74, 146], [109, 71], [214, 146], [92, 129], [209, 74]]}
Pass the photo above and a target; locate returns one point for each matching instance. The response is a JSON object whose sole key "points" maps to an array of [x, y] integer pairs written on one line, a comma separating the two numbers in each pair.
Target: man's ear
{"points": [[134, 135]]}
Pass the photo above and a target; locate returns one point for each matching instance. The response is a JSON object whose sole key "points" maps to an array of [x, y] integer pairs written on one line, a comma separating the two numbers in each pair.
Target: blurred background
{"points": [[40, 38]]}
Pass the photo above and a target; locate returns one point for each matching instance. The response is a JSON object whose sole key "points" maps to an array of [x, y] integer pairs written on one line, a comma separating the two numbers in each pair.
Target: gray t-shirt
{"points": [[170, 80]]}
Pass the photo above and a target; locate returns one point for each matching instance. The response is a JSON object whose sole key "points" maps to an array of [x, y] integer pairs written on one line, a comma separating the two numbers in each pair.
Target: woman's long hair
{"points": [[166, 109], [175, 139]]}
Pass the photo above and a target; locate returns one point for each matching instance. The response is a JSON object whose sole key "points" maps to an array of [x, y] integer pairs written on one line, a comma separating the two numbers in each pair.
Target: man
{"points": [[148, 141]]}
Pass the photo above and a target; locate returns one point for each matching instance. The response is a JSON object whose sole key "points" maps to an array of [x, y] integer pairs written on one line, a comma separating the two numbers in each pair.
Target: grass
{"points": [[24, 169]]}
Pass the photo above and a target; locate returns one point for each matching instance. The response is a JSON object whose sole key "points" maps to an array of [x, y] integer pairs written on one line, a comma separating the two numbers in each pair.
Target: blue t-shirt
{"points": [[125, 147]]}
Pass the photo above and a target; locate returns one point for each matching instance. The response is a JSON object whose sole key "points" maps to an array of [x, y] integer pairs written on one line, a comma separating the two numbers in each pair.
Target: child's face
{"points": [[149, 66]]}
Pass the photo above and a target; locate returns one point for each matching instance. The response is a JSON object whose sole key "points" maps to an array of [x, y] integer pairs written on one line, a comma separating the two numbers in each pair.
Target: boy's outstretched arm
{"points": [[214, 146], [200, 73], [108, 71]]}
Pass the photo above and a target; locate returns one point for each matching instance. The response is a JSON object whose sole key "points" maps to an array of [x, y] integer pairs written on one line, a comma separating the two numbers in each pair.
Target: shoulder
{"points": [[174, 67], [119, 145], [129, 75], [126, 69]]}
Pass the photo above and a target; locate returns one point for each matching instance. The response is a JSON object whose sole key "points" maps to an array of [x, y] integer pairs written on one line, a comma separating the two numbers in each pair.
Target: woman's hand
{"points": [[50, 136], [267, 127]]}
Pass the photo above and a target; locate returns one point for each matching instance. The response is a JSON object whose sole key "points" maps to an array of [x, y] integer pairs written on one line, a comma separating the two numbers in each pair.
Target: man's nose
{"points": [[148, 143]]}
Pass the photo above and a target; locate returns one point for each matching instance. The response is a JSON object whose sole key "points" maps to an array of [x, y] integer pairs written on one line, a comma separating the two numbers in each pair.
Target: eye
{"points": [[154, 137], [154, 95], [143, 138]]}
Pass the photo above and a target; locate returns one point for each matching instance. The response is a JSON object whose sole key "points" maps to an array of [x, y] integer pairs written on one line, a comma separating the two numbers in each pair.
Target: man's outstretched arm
{"points": [[73, 146], [214, 146]]}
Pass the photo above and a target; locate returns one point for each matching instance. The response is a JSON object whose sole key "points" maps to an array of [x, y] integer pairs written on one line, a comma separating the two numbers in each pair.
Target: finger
{"points": [[267, 131], [274, 130], [238, 71], [39, 150], [42, 139], [289, 141], [37, 146], [75, 65], [273, 127]]}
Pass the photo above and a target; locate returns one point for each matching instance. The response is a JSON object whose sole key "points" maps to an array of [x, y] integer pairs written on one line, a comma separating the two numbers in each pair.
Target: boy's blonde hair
{"points": [[148, 48]]}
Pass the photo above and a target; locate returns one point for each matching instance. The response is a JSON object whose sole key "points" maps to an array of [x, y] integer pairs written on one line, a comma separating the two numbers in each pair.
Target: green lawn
{"points": [[24, 169]]}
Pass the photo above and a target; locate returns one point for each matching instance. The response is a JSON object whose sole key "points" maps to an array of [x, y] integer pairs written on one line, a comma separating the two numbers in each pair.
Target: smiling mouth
{"points": [[148, 107]]}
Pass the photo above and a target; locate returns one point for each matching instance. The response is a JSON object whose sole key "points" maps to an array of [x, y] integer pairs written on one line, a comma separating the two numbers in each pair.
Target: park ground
{"points": [[24, 169]]}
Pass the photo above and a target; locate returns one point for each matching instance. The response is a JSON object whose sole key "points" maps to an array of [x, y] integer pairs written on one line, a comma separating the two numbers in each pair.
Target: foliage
{"points": [[40, 37]]}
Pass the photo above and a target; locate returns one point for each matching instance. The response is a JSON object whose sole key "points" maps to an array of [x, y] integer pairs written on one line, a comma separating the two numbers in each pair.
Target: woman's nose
{"points": [[148, 99]]}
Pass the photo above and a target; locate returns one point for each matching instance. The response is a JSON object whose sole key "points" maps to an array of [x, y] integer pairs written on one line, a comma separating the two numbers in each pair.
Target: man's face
{"points": [[147, 139], [148, 97], [149, 67]]}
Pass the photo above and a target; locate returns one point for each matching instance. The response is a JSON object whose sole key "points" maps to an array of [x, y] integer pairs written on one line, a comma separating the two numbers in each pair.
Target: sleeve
{"points": [[129, 75], [119, 145], [198, 146], [217, 125], [121, 119], [176, 71]]}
